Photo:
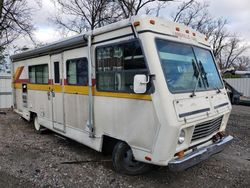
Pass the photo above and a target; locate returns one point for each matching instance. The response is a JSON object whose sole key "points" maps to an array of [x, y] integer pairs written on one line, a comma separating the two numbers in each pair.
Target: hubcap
{"points": [[129, 160], [37, 126]]}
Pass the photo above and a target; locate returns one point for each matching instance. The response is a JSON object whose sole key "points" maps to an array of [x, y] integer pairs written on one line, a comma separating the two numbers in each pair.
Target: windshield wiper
{"points": [[196, 70], [204, 76], [218, 89]]}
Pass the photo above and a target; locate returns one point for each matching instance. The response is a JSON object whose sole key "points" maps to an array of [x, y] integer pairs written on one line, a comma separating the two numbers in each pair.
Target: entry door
{"points": [[56, 97]]}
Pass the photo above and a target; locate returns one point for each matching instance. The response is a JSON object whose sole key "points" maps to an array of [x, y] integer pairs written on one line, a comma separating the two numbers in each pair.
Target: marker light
{"points": [[152, 22], [177, 29], [187, 31], [194, 34], [148, 158], [136, 23]]}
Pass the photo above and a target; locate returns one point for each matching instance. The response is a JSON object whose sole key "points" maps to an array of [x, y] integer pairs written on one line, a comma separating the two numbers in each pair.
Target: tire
{"points": [[38, 128], [124, 163]]}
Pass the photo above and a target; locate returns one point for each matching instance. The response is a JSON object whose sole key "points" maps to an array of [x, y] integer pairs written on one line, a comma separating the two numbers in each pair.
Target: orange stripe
{"points": [[18, 73]]}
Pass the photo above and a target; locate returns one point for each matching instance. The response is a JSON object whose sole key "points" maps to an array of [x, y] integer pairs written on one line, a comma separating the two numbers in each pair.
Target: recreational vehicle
{"points": [[146, 89]]}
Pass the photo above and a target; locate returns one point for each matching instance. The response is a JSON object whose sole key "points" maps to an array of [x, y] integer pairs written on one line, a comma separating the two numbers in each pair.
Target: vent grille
{"points": [[206, 128]]}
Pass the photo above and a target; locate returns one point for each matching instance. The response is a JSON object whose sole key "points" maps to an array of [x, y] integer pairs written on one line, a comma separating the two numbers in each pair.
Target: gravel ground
{"points": [[47, 160]]}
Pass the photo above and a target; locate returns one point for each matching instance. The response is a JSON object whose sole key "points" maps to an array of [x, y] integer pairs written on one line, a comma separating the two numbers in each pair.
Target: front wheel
{"points": [[124, 162], [37, 126]]}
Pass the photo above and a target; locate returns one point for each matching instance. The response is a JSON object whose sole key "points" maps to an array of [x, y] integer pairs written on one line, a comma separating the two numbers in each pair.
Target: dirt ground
{"points": [[28, 159]]}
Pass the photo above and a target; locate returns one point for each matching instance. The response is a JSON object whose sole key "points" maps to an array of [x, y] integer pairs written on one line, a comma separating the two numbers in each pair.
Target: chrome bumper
{"points": [[199, 155]]}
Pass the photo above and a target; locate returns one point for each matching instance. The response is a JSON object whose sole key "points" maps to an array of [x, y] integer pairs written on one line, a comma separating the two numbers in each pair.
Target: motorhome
{"points": [[146, 89]]}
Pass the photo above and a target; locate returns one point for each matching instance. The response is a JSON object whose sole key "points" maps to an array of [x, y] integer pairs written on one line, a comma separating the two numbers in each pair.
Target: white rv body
{"points": [[149, 123]]}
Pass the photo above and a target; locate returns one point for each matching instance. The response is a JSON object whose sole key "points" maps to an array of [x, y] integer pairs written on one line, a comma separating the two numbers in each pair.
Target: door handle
{"points": [[48, 93], [53, 93]]}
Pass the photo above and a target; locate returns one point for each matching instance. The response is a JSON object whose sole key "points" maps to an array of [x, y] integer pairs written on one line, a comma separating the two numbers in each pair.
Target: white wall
{"points": [[240, 84], [5, 91]]}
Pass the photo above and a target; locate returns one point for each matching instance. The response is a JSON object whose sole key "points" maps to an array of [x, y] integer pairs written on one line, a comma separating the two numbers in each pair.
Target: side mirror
{"points": [[140, 83]]}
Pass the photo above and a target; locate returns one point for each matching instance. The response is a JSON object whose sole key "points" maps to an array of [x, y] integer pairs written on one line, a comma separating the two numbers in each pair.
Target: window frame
{"points": [[149, 90], [75, 59], [31, 66], [192, 46]]}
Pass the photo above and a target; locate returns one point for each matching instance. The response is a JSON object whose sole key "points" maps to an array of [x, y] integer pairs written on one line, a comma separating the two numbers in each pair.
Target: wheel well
{"points": [[32, 116], [108, 144]]}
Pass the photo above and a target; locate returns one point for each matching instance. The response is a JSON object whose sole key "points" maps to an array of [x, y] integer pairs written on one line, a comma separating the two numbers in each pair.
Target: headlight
{"points": [[181, 138]]}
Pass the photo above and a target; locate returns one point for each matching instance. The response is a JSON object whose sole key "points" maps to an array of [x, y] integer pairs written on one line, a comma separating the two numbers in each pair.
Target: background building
{"points": [[5, 83]]}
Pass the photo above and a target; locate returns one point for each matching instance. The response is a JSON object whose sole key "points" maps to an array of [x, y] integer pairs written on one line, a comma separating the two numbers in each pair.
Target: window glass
{"points": [[32, 74], [71, 72], [117, 65], [77, 71], [187, 68], [56, 72], [39, 74], [45, 74], [208, 69]]}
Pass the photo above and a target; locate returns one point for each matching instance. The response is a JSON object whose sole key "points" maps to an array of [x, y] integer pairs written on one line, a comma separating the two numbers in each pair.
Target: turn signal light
{"points": [[180, 154]]}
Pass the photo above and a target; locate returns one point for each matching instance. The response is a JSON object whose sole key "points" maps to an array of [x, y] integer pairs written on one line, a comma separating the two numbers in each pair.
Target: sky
{"points": [[237, 12]]}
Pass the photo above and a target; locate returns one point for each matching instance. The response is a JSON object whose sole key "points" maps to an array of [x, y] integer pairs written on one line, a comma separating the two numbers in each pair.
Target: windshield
{"points": [[187, 67]]}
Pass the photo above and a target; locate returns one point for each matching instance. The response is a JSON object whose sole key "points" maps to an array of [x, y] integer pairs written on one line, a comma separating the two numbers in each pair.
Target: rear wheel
{"points": [[124, 162]]}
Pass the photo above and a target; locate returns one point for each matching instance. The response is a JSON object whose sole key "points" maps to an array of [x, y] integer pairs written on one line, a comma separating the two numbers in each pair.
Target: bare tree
{"points": [[242, 63], [79, 15], [194, 14], [15, 21], [231, 52], [133, 7], [155, 8], [226, 47]]}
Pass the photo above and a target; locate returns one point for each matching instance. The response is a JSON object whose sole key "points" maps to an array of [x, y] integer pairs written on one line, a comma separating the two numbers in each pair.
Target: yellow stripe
{"points": [[83, 90], [17, 86], [57, 88], [122, 95], [40, 87]]}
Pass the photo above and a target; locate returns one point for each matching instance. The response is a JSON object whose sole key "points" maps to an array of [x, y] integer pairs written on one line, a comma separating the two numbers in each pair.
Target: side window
{"points": [[117, 65], [77, 71], [56, 72], [39, 74]]}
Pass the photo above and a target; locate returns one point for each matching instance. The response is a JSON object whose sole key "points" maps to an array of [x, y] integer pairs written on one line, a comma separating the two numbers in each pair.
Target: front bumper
{"points": [[199, 155]]}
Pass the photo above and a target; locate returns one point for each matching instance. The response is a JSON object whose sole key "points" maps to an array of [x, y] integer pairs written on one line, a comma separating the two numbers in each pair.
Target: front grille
{"points": [[206, 128]]}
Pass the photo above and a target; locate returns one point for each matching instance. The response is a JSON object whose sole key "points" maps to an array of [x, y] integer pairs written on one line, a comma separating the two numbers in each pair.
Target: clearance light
{"points": [[187, 31], [206, 39], [177, 29], [152, 22], [136, 23], [194, 34], [148, 158]]}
